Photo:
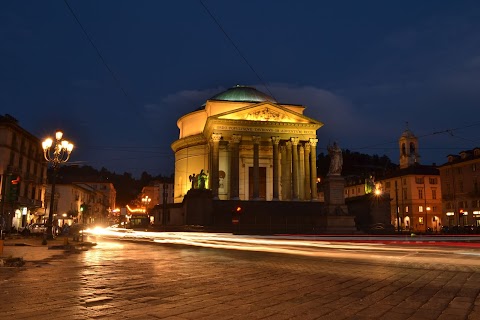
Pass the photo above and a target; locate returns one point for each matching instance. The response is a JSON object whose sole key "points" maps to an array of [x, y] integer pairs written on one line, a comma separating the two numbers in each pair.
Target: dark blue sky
{"points": [[363, 68]]}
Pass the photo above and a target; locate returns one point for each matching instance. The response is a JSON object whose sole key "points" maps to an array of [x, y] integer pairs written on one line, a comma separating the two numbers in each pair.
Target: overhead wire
{"points": [[236, 48], [447, 131], [99, 54]]}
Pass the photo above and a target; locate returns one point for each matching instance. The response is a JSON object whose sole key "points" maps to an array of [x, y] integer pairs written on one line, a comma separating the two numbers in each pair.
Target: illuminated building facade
{"points": [[82, 202], [460, 189], [155, 193], [415, 190], [250, 146], [23, 175]]}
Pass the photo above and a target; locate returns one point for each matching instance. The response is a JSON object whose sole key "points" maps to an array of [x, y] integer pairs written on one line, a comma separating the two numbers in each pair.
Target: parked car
{"points": [[36, 228], [381, 228]]}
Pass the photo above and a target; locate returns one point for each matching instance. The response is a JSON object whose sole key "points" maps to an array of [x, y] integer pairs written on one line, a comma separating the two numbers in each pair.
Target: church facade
{"points": [[244, 145]]}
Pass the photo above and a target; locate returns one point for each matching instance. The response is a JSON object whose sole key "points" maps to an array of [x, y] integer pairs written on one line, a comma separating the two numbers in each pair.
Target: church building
{"points": [[244, 145]]}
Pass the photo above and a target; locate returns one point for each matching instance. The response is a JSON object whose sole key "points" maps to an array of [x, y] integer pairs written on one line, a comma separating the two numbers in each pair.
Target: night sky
{"points": [[363, 68]]}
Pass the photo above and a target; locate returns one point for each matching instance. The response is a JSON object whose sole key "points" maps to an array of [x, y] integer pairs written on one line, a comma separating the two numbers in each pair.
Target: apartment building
{"points": [[87, 203], [23, 175], [460, 188]]}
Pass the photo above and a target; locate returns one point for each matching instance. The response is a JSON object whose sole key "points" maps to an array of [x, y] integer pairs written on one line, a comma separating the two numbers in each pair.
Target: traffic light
{"points": [[13, 190], [236, 214]]}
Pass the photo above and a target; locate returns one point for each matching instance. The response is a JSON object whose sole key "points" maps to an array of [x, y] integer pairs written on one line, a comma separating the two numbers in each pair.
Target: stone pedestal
{"points": [[198, 207], [336, 218]]}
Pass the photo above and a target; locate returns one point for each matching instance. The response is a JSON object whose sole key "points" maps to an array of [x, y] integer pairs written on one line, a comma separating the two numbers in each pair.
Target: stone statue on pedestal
{"points": [[336, 159], [202, 178], [193, 180]]}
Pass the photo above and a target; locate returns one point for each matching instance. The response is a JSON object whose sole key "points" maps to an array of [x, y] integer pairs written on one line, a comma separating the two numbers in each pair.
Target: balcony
{"points": [[12, 170], [30, 203]]}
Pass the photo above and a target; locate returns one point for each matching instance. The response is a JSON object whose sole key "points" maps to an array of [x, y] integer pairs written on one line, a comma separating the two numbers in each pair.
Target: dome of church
{"points": [[243, 94], [408, 134]]}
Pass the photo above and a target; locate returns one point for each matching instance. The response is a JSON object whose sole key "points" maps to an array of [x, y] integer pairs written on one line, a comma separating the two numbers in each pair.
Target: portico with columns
{"points": [[251, 147]]}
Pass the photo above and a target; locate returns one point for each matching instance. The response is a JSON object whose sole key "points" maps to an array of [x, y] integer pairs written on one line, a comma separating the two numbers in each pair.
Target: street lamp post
{"points": [[55, 152], [425, 208], [146, 201], [427, 212]]}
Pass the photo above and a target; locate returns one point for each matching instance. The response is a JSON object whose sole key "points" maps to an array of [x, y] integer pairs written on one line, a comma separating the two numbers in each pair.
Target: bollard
{"points": [[1, 247]]}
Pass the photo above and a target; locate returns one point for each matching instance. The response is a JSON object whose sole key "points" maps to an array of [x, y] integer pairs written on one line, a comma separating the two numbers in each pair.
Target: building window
{"points": [[433, 180], [420, 193], [420, 208], [404, 181], [474, 167], [387, 184], [419, 180], [434, 208], [447, 186], [447, 172], [420, 220], [459, 170], [404, 194], [434, 194], [406, 209], [358, 190]]}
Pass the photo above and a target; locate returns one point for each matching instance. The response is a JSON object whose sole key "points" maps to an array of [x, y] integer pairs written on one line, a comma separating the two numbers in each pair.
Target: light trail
{"points": [[336, 246]]}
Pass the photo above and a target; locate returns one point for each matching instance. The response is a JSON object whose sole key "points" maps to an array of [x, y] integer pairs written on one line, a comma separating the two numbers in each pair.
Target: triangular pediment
{"points": [[264, 112]]}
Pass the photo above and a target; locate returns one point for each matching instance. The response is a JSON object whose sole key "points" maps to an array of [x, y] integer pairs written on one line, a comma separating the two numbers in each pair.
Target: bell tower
{"points": [[408, 144]]}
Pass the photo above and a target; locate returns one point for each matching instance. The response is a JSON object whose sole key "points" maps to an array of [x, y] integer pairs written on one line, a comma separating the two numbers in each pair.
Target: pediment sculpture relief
{"points": [[266, 115]]}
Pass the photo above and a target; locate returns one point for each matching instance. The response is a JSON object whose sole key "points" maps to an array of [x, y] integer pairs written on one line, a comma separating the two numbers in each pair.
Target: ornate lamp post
{"points": [[55, 152]]}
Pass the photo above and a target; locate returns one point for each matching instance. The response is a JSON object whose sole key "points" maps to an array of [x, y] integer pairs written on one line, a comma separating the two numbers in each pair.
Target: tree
{"points": [[357, 164]]}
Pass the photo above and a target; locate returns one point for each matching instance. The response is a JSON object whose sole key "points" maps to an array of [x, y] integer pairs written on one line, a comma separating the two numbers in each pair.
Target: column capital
{"points": [[256, 139], [313, 142], [294, 141], [307, 146], [216, 137], [288, 144], [275, 140], [236, 138]]}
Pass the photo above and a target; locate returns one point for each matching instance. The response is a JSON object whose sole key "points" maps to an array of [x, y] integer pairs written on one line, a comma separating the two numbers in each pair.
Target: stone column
{"points": [[288, 169], [256, 169], [283, 167], [215, 164], [275, 142], [235, 167], [308, 196], [313, 168], [295, 168], [301, 173]]}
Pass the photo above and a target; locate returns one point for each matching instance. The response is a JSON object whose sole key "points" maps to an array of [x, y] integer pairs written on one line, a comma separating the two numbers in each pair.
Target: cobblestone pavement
{"points": [[124, 280]]}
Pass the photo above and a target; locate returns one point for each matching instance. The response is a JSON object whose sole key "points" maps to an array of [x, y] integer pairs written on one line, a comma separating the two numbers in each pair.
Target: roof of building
{"points": [[240, 93], [463, 156], [416, 169], [408, 134]]}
